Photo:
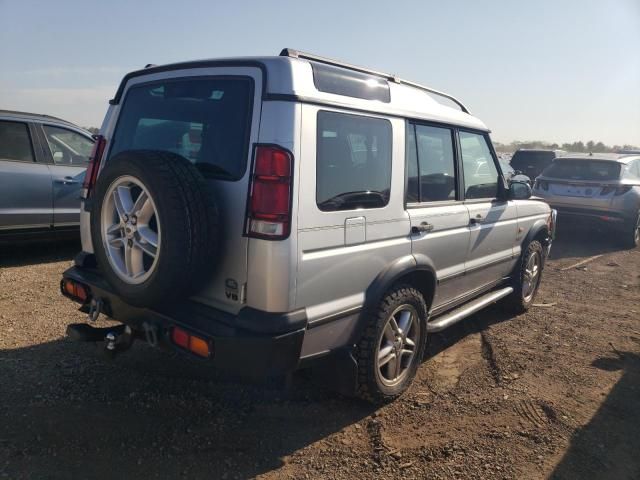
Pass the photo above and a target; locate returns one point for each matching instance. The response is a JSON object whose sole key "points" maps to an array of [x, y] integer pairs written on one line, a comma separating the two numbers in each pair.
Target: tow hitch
{"points": [[114, 339]]}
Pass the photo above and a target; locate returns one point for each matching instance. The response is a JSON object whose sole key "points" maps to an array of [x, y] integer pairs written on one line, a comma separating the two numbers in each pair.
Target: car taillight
{"points": [[623, 189], [91, 175], [541, 184], [618, 190], [269, 212]]}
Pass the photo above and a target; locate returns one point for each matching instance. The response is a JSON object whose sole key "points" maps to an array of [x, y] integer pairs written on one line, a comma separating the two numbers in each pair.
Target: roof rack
{"points": [[290, 52]]}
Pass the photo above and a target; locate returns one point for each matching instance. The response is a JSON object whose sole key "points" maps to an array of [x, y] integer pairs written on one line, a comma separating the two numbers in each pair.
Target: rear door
{"points": [[351, 221], [25, 184], [211, 117], [439, 218], [69, 152], [493, 222]]}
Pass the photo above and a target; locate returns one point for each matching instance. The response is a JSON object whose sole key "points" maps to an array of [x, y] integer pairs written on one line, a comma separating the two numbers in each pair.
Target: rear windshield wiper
{"points": [[357, 199]]}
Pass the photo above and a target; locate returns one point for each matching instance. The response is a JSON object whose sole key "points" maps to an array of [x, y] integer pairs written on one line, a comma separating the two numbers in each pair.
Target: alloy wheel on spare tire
{"points": [[154, 226]]}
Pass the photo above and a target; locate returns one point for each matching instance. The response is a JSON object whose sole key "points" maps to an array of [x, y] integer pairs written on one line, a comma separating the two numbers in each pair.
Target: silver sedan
{"points": [[596, 188]]}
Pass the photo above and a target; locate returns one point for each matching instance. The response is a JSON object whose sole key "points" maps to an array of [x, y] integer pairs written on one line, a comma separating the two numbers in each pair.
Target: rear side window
{"points": [[431, 164], [583, 170], [67, 147], [353, 162], [15, 142], [480, 172], [205, 120]]}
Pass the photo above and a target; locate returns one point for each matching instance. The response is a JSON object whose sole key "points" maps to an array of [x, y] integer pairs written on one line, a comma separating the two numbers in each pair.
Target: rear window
{"points": [[583, 170], [521, 160], [205, 120]]}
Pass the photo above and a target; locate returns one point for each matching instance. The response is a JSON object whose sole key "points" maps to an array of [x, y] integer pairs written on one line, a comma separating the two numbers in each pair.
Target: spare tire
{"points": [[154, 225]]}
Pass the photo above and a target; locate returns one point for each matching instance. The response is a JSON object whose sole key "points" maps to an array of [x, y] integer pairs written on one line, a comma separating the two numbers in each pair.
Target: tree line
{"points": [[590, 146]]}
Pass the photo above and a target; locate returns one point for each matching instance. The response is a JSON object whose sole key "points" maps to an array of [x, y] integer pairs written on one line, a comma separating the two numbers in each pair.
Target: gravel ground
{"points": [[552, 393]]}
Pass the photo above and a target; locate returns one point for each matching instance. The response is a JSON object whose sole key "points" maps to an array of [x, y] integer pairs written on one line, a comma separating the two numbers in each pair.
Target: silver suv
{"points": [[596, 189], [266, 213], [42, 165]]}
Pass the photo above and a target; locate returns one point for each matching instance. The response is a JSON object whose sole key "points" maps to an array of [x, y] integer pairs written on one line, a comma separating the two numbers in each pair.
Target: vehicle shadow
{"points": [[608, 446], [576, 242], [36, 252], [66, 413]]}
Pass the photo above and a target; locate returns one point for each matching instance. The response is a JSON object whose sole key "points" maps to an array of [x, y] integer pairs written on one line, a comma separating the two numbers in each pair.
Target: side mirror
{"points": [[519, 191]]}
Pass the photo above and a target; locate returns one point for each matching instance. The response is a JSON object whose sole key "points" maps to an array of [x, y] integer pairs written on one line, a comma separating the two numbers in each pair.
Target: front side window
{"points": [[205, 120], [434, 178], [353, 162], [15, 142], [68, 147], [480, 172]]}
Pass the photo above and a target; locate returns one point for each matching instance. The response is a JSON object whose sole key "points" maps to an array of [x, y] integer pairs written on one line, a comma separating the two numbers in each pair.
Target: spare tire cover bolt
{"points": [[125, 217], [134, 220]]}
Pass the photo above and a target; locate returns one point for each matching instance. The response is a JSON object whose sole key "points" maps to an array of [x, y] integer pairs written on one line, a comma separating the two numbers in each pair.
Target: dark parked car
{"points": [[42, 165], [510, 174], [531, 162]]}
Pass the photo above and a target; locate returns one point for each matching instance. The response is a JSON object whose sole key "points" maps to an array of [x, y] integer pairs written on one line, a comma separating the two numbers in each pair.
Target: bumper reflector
{"points": [[194, 344], [75, 291]]}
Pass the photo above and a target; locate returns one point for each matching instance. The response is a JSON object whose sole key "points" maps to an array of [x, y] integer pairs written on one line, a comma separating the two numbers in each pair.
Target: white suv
{"points": [[264, 213]]}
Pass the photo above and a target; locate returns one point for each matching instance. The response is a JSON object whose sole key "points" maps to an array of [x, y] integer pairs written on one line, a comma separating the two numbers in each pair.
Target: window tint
{"points": [[583, 170], [413, 184], [353, 162], [331, 79], [436, 163], [207, 121], [523, 158], [15, 142], [480, 172], [68, 147]]}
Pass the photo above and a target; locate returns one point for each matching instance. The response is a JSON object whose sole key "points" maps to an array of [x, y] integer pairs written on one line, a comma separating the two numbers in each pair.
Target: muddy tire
{"points": [[392, 345], [527, 279], [154, 227]]}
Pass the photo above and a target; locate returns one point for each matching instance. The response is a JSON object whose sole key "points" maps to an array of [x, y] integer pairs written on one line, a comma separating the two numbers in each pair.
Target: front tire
{"points": [[526, 279], [392, 346]]}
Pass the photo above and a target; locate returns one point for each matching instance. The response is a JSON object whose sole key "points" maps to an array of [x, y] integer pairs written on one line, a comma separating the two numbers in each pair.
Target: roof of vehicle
{"points": [[609, 157], [38, 117], [539, 150], [289, 77]]}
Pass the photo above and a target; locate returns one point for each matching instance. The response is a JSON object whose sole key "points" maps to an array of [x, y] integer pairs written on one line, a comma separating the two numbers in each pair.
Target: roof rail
{"points": [[35, 115], [290, 52]]}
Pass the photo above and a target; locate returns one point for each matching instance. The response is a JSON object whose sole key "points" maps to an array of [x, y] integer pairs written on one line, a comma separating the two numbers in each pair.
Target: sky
{"points": [[554, 70]]}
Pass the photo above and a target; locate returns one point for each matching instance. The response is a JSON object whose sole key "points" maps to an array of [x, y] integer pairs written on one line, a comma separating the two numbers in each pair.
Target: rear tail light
{"points": [[193, 343], [94, 165], [75, 291], [269, 212], [618, 190], [541, 184]]}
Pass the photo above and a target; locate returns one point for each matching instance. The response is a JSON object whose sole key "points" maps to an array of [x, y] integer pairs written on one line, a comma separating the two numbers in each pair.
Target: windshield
{"points": [[583, 170], [205, 120]]}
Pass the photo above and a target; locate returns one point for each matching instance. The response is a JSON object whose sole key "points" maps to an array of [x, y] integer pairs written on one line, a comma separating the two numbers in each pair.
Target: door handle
{"points": [[67, 181], [422, 228], [477, 219]]}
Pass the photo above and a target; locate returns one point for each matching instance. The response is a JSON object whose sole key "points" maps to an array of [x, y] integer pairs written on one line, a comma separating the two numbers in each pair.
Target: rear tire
{"points": [[185, 221], [397, 330], [632, 235], [526, 279]]}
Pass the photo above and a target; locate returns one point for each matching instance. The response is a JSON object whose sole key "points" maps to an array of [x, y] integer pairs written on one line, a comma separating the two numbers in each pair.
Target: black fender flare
{"points": [[535, 230], [385, 280]]}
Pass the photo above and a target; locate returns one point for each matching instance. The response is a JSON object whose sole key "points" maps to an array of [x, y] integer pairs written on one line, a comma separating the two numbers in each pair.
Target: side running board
{"points": [[460, 313]]}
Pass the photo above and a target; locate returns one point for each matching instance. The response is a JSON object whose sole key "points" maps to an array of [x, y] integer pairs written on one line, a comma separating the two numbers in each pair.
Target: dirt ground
{"points": [[552, 393]]}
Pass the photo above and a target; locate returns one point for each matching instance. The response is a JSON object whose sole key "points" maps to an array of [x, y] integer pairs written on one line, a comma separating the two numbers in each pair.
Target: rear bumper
{"points": [[252, 343], [590, 216]]}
